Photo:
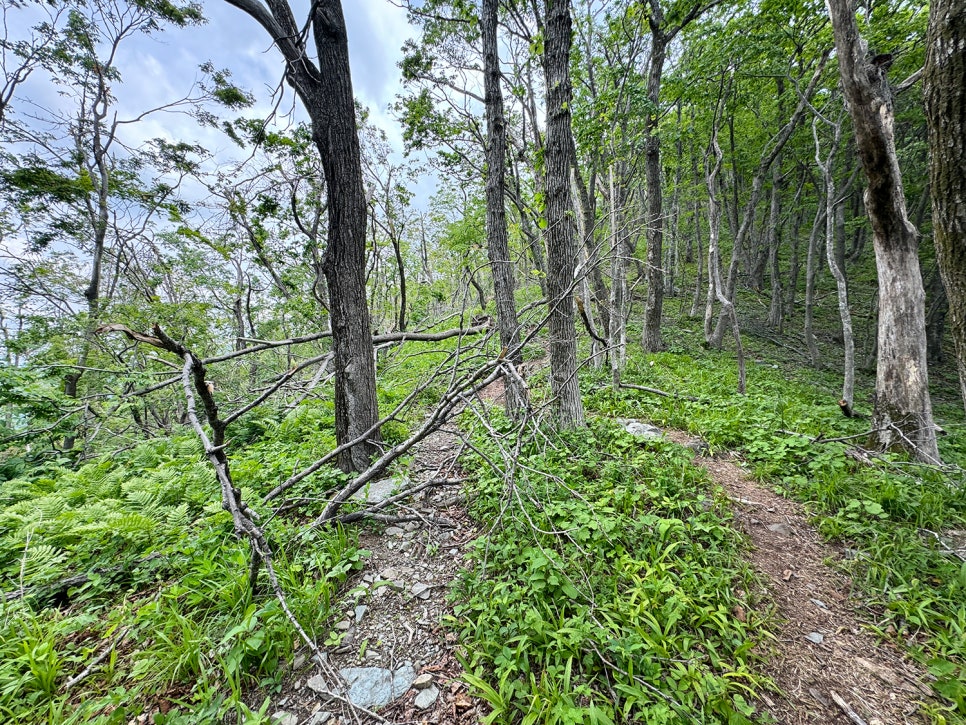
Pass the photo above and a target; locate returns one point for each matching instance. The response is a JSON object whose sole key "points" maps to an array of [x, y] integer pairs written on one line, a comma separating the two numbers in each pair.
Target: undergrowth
{"points": [[132, 554], [891, 517], [609, 587]]}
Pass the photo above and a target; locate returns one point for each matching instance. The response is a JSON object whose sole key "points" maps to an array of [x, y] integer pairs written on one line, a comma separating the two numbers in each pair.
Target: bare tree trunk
{"points": [[848, 338], [654, 307], [561, 234], [618, 290], [903, 409], [498, 243], [714, 217], [812, 267], [775, 308], [945, 95]]}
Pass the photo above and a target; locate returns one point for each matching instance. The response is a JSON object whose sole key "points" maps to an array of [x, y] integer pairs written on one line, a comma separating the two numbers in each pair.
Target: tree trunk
{"points": [[498, 243], [561, 232], [834, 262], [325, 89], [945, 94], [618, 290], [334, 132], [811, 273], [654, 307], [903, 410]]}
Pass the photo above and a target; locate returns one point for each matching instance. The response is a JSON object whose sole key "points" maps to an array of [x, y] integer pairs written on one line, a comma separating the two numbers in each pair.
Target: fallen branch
{"points": [[86, 672], [662, 393]]}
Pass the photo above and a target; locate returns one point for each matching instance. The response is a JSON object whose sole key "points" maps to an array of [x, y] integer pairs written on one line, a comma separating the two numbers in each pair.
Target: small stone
{"points": [[297, 685], [360, 612], [420, 590], [423, 681], [343, 625], [782, 529], [411, 526], [406, 546], [322, 716], [394, 531], [426, 698], [454, 552], [284, 718], [815, 637], [318, 684], [389, 574], [818, 603], [298, 661]]}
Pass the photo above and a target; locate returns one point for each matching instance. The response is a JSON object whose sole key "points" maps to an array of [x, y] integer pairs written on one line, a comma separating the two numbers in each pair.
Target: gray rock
{"points": [[815, 637], [818, 603], [394, 531], [641, 430], [284, 718], [360, 612], [420, 590], [318, 684], [322, 716], [426, 698], [376, 686], [343, 625], [782, 529], [377, 491], [423, 681]]}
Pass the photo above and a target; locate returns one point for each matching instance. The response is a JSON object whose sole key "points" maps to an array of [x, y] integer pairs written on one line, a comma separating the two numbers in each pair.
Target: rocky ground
{"points": [[389, 653]]}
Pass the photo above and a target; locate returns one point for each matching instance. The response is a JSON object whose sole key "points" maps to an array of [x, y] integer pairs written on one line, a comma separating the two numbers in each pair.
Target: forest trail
{"points": [[822, 651], [393, 610], [390, 633]]}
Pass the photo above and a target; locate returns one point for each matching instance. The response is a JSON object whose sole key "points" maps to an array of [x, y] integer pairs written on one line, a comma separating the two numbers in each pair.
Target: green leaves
{"points": [[606, 575]]}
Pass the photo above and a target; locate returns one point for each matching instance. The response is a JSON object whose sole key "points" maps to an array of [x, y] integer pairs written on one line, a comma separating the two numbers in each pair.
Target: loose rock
{"points": [[284, 718], [423, 681], [426, 698], [782, 529]]}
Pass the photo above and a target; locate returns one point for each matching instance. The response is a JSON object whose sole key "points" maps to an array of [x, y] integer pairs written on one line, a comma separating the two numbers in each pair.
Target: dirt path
{"points": [[822, 651], [388, 621]]}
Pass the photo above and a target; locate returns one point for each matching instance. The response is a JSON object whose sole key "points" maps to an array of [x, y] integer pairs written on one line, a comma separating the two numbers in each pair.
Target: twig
{"points": [[844, 706], [85, 673]]}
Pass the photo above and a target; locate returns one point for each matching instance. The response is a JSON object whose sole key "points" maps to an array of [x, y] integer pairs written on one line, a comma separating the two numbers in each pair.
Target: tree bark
{"points": [[835, 264], [498, 243], [944, 83], [561, 231], [902, 416], [654, 307], [325, 89]]}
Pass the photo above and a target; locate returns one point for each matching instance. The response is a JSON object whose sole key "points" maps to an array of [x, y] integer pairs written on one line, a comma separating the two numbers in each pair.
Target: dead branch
{"points": [[86, 672], [662, 393]]}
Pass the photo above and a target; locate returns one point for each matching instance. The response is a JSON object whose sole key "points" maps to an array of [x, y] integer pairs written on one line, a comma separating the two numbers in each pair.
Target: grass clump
{"points": [[609, 588]]}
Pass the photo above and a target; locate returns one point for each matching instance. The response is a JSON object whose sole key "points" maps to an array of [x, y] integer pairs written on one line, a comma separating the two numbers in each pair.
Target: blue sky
{"points": [[165, 65]]}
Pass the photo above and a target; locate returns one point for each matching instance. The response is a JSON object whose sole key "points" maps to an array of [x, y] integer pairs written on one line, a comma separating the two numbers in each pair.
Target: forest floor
{"points": [[828, 668]]}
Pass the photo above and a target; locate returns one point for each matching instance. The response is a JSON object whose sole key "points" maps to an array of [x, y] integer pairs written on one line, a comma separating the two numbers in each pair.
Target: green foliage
{"points": [[606, 588], [890, 514], [160, 581]]}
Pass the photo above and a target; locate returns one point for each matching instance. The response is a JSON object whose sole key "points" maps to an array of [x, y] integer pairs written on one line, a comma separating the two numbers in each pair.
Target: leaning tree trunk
{"points": [[498, 243], [561, 231], [945, 94], [903, 410]]}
